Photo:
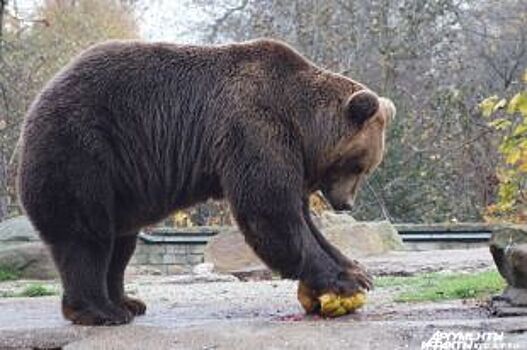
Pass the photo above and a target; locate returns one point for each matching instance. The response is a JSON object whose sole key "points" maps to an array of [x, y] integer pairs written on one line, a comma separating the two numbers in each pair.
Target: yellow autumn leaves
{"points": [[512, 124]]}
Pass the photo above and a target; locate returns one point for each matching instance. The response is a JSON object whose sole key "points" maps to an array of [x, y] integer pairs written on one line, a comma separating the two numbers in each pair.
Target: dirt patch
{"points": [[216, 313]]}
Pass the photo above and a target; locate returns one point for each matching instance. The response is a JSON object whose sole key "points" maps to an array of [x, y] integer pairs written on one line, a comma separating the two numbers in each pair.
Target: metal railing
{"points": [[459, 232]]}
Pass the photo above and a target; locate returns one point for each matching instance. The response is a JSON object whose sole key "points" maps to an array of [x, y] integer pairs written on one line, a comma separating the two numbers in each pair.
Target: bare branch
{"points": [[219, 21], [379, 201], [3, 4]]}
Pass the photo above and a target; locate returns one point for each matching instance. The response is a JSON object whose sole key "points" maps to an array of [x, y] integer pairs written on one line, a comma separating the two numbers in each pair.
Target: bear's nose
{"points": [[343, 206]]}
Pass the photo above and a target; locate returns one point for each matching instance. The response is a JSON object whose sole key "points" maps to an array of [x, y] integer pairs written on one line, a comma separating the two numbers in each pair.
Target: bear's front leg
{"points": [[285, 243], [265, 187], [332, 304], [271, 219], [352, 266]]}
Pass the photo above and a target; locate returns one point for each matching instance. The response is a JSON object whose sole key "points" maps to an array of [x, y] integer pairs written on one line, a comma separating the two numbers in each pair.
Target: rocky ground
{"points": [[210, 311]]}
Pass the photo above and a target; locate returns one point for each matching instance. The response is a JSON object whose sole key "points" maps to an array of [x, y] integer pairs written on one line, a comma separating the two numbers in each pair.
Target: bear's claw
{"points": [[135, 306], [93, 316], [360, 274]]}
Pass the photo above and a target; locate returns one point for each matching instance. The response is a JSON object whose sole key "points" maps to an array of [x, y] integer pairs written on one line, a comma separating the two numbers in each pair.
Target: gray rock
{"points": [[31, 260], [17, 229], [508, 246], [203, 269], [204, 278], [229, 253], [358, 239], [22, 250], [330, 219], [502, 308], [146, 270], [261, 273]]}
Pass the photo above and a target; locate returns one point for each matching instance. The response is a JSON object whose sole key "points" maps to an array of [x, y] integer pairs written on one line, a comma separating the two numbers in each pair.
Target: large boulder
{"points": [[357, 239], [508, 246], [22, 251], [29, 260], [331, 219], [230, 254], [16, 230]]}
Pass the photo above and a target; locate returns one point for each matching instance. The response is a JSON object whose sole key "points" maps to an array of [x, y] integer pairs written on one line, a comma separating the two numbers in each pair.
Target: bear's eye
{"points": [[356, 168]]}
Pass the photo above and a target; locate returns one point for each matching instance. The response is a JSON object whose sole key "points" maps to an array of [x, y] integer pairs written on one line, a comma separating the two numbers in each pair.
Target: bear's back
{"points": [[132, 75], [149, 115]]}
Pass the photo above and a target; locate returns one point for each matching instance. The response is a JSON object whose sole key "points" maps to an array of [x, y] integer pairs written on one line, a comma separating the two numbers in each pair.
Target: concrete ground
{"points": [[215, 312]]}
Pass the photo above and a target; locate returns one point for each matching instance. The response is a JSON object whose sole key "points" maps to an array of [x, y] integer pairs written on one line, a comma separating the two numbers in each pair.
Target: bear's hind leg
{"points": [[123, 250], [83, 265], [69, 197]]}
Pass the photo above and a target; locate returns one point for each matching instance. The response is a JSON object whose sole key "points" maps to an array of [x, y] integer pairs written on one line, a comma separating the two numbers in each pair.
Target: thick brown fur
{"points": [[129, 132]]}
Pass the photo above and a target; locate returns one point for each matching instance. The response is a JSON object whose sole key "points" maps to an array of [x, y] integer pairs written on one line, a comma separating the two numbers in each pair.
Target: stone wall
{"points": [[168, 258]]}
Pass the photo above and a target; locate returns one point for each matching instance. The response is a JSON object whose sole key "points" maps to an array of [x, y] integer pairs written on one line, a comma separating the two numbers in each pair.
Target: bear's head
{"points": [[366, 117]]}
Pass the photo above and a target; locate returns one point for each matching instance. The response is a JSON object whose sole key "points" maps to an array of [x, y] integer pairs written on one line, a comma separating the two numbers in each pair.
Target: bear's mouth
{"points": [[340, 192], [337, 201], [339, 205]]}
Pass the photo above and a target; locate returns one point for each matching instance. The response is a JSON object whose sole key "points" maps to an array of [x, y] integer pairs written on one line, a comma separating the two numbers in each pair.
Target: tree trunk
{"points": [[4, 193], [3, 4]]}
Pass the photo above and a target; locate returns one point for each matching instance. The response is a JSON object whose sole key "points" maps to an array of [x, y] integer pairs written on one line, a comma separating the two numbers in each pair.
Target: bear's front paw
{"points": [[358, 274], [329, 304], [339, 296]]}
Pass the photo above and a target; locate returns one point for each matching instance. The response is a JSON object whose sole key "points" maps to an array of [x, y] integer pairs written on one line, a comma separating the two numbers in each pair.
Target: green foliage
{"points": [[436, 172], [36, 290], [31, 291], [491, 105], [435, 286], [518, 104], [8, 274], [511, 204]]}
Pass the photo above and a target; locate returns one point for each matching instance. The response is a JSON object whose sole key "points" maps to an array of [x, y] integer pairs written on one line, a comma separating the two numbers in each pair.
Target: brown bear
{"points": [[130, 131]]}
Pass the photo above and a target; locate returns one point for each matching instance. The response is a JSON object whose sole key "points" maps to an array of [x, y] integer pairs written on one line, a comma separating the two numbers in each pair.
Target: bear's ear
{"points": [[361, 106]]}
